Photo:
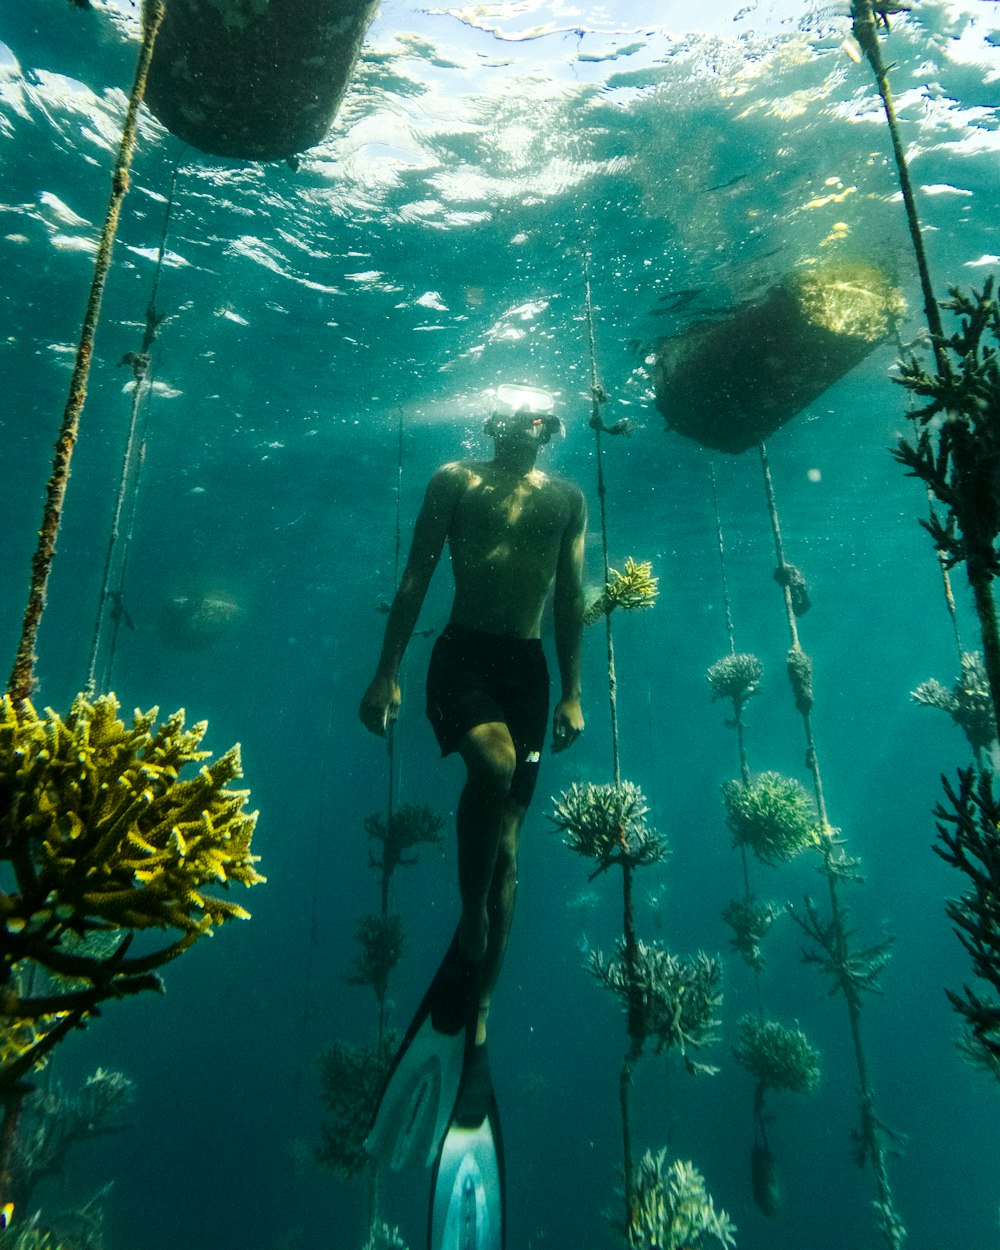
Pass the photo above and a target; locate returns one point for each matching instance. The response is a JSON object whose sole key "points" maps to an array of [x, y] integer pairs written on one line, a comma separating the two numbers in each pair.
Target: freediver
{"points": [[514, 533]]}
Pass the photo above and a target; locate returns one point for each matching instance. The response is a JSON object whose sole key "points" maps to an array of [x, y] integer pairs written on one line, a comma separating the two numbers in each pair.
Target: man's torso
{"points": [[505, 537]]}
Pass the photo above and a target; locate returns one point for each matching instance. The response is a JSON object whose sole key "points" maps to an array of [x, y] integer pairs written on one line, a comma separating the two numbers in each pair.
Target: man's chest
{"points": [[515, 516]]}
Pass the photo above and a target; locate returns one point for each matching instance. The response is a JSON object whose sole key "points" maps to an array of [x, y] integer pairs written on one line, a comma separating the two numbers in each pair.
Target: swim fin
{"points": [[468, 1201], [419, 1094]]}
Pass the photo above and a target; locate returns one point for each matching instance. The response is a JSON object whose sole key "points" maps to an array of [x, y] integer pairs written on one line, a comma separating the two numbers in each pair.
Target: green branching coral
{"points": [[735, 677], [776, 1056], [31, 1236], [607, 823], [81, 1228], [103, 837], [959, 459], [852, 972], [633, 588], [969, 833], [773, 815], [381, 941], [673, 1001], [55, 1121], [352, 1078], [410, 825], [968, 702], [672, 1209], [751, 922]]}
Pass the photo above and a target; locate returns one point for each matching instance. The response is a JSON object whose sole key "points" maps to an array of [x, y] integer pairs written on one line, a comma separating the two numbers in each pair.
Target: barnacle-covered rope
{"points": [[22, 674]]}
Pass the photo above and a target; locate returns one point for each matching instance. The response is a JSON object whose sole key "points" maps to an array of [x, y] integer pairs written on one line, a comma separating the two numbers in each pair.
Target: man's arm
{"points": [[380, 704], [567, 720]]}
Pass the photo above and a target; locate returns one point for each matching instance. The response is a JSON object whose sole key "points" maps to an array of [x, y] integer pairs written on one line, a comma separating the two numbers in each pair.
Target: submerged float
{"points": [[730, 383], [256, 80]]}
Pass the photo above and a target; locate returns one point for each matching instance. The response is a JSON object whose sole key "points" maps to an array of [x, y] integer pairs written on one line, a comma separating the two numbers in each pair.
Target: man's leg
{"points": [[490, 759], [500, 907]]}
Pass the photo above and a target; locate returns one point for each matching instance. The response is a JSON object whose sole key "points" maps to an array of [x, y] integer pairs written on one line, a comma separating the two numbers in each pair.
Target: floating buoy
{"points": [[255, 79], [729, 384]]}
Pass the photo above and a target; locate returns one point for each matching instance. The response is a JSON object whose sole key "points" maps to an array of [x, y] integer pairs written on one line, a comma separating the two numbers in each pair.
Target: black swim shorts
{"points": [[475, 678]]}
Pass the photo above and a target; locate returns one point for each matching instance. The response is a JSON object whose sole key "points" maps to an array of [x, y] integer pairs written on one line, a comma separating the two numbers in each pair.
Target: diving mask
{"points": [[525, 399], [526, 402]]}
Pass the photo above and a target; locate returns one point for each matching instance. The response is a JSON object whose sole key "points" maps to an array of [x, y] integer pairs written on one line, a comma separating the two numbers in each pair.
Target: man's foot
{"points": [[457, 1000]]}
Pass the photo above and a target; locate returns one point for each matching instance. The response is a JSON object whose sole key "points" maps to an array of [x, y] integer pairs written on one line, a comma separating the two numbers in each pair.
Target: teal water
{"points": [[428, 251]]}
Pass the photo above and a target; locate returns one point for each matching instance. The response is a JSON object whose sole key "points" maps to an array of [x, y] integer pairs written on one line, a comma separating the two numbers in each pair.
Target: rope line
{"points": [[738, 723], [132, 461], [22, 676], [597, 398], [835, 865]]}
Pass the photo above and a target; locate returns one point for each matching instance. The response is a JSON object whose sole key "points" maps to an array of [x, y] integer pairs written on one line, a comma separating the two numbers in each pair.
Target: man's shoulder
{"points": [[566, 490], [459, 468], [453, 475]]}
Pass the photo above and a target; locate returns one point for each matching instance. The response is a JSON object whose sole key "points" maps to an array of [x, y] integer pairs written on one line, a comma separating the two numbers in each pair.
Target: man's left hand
{"points": [[567, 724]]}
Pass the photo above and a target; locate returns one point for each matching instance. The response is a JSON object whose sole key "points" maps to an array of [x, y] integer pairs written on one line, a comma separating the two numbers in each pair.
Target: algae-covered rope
{"points": [[798, 660], [132, 461], [393, 779], [946, 587], [731, 635], [597, 397], [629, 948], [839, 950], [21, 679], [866, 33], [737, 712], [730, 629]]}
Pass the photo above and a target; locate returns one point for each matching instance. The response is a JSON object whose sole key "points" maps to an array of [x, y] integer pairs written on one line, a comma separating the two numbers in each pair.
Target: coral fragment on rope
{"points": [[104, 839], [631, 589], [607, 823]]}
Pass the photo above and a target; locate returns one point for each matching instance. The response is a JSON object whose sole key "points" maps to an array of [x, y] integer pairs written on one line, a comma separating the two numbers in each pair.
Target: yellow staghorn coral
{"points": [[102, 837], [633, 588]]}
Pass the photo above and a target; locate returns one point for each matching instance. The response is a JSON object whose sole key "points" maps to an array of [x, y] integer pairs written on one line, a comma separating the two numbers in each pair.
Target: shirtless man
{"points": [[512, 531]]}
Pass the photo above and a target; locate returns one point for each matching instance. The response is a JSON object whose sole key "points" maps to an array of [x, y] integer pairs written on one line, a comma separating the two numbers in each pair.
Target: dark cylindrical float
{"points": [[730, 383], [255, 79]]}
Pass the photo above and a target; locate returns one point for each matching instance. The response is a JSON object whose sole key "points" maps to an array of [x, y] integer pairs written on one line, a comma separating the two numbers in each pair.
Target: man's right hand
{"points": [[380, 705]]}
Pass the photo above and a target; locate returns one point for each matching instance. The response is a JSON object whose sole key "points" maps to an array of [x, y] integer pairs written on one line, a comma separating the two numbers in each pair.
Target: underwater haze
{"points": [[336, 327]]}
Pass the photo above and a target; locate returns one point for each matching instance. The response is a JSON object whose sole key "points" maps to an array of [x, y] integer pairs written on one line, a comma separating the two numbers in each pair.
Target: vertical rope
{"points": [[391, 796], [22, 677], [597, 398], [949, 597], [629, 942], [312, 941], [132, 460], [393, 780], [740, 733], [730, 629], [866, 33], [731, 635], [797, 658], [800, 674]]}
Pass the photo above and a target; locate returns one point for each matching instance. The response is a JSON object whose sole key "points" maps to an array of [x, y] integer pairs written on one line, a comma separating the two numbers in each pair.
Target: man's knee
{"points": [[490, 757]]}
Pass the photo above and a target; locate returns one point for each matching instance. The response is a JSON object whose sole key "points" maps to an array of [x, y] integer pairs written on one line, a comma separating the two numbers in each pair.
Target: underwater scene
{"points": [[728, 271]]}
